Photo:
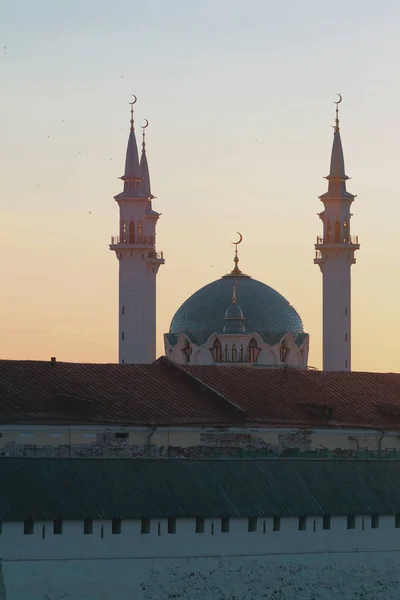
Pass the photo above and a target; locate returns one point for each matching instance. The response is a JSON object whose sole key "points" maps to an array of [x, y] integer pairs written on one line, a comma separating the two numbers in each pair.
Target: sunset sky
{"points": [[239, 96]]}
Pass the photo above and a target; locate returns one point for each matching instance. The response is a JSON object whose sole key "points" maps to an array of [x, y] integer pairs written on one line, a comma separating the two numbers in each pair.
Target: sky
{"points": [[239, 96]]}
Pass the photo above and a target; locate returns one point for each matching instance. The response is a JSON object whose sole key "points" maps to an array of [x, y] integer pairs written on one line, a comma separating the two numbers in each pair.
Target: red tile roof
{"points": [[166, 394]]}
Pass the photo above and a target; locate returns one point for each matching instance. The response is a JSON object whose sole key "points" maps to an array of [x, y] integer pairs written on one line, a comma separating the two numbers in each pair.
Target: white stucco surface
{"points": [[322, 576]]}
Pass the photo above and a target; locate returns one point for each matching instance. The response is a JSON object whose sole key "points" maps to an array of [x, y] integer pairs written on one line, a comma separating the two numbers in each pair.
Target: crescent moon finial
{"points": [[132, 103], [236, 270], [337, 102], [144, 135]]}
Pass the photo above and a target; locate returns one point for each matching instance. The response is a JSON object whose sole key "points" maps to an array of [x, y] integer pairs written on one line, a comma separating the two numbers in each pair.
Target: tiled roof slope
{"points": [[166, 394], [46, 488]]}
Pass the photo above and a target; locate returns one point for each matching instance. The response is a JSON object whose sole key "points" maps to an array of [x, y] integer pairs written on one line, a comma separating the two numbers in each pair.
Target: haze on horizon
{"points": [[240, 103]]}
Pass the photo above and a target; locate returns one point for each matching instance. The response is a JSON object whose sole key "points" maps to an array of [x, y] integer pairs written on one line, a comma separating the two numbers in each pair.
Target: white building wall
{"points": [[292, 564]]}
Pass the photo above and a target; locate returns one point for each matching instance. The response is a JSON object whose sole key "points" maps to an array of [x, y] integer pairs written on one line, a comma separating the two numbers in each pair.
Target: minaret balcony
{"points": [[346, 241], [128, 241]]}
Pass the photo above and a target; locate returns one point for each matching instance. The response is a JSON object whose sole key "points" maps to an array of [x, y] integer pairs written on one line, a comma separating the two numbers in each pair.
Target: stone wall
{"points": [[330, 576]]}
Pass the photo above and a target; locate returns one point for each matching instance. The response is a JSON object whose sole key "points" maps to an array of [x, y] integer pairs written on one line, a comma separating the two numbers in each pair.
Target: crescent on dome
{"points": [[240, 239], [338, 101], [144, 126]]}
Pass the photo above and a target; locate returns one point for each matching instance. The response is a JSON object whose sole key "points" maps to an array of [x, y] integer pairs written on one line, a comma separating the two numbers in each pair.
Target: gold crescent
{"points": [[240, 239], [144, 126], [338, 101], [135, 100]]}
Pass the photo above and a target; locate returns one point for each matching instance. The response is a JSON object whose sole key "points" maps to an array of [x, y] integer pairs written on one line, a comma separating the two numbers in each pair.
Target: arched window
{"points": [[329, 231], [187, 351], [131, 232], [234, 353], [226, 353], [241, 353], [252, 351], [337, 231], [140, 232], [217, 351], [283, 352]]}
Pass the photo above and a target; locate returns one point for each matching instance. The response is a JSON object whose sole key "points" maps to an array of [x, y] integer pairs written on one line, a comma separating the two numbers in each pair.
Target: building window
{"points": [[264, 527], [116, 526], [276, 523], [123, 310], [283, 352], [217, 351], [374, 521], [345, 311], [123, 362], [326, 522], [302, 523], [199, 524], [225, 525], [145, 526], [351, 522], [171, 525], [252, 351], [43, 531], [140, 232], [187, 351], [345, 337], [28, 527], [226, 358], [57, 526], [123, 336], [241, 353], [234, 353], [131, 232], [88, 526], [345, 364], [252, 526], [397, 521]]}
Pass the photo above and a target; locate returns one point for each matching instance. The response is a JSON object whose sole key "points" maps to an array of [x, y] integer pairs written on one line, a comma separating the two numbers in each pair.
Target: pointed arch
{"points": [[234, 353], [252, 351], [217, 351], [131, 232], [337, 231], [140, 232], [187, 351], [241, 353]]}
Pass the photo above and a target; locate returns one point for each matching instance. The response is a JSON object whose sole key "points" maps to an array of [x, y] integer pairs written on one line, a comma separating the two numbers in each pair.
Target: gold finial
{"points": [[337, 102], [144, 135], [132, 103], [236, 270], [234, 293]]}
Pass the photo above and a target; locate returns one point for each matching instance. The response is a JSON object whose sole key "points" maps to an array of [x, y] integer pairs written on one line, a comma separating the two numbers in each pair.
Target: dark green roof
{"points": [[265, 310], [42, 489]]}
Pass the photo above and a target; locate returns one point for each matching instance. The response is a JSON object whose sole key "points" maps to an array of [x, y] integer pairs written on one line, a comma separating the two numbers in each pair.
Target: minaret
{"points": [[135, 248], [335, 254]]}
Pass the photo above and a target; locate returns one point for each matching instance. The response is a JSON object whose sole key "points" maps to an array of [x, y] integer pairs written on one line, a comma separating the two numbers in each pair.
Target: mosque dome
{"points": [[265, 310]]}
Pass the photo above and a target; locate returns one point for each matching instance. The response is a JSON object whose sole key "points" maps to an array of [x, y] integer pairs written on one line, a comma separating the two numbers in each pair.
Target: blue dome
{"points": [[265, 310]]}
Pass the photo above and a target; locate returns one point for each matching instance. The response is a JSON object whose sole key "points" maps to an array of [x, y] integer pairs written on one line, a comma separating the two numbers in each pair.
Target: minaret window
{"points": [[252, 351], [226, 353], [187, 351], [122, 231], [217, 351], [329, 231], [140, 232], [337, 231], [234, 353], [241, 353], [131, 232]]}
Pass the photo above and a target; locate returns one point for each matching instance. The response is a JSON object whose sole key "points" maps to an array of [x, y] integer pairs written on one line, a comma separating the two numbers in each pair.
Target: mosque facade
{"points": [[235, 320]]}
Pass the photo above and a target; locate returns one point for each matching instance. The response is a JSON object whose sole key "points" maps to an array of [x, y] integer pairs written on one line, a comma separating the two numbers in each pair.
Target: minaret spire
{"points": [[335, 254], [132, 171], [144, 167]]}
